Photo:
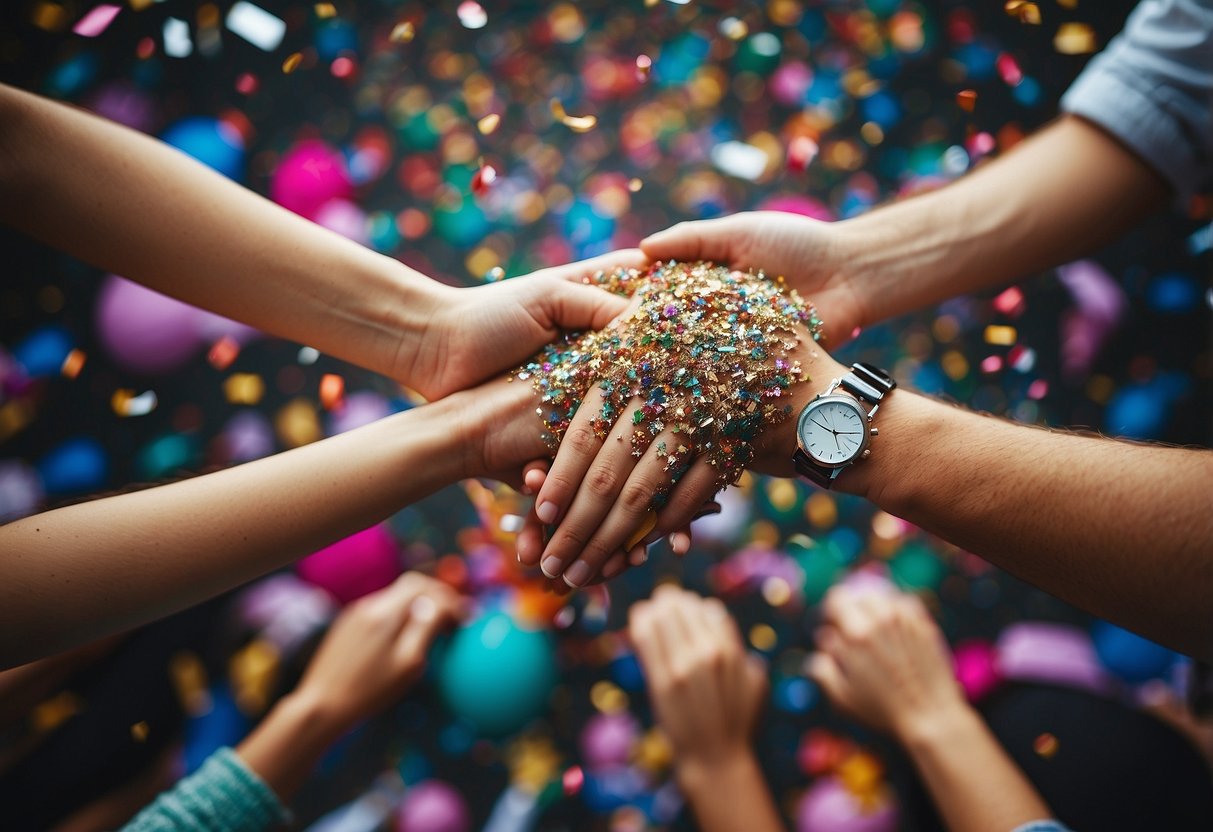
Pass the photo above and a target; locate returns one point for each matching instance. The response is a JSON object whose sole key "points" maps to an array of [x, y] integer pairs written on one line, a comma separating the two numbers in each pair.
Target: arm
{"points": [[136, 207], [1065, 191], [706, 695], [882, 660], [114, 563]]}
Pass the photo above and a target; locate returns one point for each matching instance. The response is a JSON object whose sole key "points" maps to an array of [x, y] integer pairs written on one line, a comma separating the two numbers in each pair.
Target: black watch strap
{"points": [[868, 384]]}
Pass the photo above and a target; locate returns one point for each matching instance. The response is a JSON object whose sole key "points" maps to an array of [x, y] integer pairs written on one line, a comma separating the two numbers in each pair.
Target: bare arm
{"points": [[77, 573], [1120, 529], [882, 660]]}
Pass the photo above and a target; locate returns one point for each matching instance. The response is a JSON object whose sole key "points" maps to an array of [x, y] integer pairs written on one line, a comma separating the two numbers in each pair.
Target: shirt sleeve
{"points": [[222, 796], [1152, 88]]}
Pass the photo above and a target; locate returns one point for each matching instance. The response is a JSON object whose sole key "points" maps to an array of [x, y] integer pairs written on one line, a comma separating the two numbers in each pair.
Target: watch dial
{"points": [[833, 432]]}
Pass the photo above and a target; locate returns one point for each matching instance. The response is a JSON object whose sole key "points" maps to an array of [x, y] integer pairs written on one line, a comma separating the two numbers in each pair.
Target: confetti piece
{"points": [[1000, 335], [494, 275], [1008, 70], [472, 15], [991, 364], [96, 21], [572, 780], [126, 403], [292, 62], [140, 731], [247, 83], [1075, 39], [608, 697], [1024, 11], [635, 184], [50, 17], [403, 32], [802, 150], [308, 356], [244, 388], [733, 28], [763, 637], [578, 124], [644, 67], [145, 48], [1010, 302], [324, 11], [189, 678], [223, 352], [1046, 745], [177, 43], [73, 364], [483, 179], [256, 25], [343, 67], [740, 159], [488, 124], [332, 391], [1038, 389], [966, 100]]}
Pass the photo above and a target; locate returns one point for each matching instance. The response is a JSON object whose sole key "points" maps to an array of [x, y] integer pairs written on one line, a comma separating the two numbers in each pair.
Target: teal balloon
{"points": [[496, 674], [462, 224], [165, 456], [822, 564]]}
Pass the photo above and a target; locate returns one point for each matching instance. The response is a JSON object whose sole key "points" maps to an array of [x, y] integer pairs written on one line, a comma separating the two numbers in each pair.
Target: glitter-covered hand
{"points": [[812, 256], [472, 334], [664, 408]]}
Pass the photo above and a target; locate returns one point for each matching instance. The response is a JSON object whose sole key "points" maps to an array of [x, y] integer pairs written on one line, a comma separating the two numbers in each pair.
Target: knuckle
{"points": [[581, 439], [602, 482], [636, 497]]}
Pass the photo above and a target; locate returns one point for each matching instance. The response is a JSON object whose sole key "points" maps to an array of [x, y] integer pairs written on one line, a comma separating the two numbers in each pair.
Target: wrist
{"points": [[406, 314], [726, 772], [947, 724]]}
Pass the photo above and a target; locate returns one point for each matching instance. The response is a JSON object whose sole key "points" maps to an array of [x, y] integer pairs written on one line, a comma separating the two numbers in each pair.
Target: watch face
{"points": [[833, 431]]}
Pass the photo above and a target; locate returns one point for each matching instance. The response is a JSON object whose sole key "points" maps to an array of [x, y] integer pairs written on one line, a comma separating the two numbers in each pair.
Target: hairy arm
{"points": [[1122, 530]]}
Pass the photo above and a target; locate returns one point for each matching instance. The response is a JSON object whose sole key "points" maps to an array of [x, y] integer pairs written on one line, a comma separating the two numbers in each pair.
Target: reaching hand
{"points": [[706, 691], [883, 660], [811, 255], [376, 650], [478, 332]]}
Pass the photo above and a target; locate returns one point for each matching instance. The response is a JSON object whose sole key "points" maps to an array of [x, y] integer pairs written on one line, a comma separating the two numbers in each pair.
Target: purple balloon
{"points": [[126, 104], [358, 409], [355, 566], [607, 740], [1099, 306], [828, 807], [247, 436], [433, 806], [345, 218], [145, 331], [20, 490]]}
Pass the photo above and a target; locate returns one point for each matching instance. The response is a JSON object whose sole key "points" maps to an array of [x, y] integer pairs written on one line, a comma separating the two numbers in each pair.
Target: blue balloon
{"points": [[1128, 655], [223, 725], [497, 674], [43, 351], [210, 141], [75, 467], [626, 672]]}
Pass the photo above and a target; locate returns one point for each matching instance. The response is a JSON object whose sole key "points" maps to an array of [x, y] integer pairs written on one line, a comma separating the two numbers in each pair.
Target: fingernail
{"points": [[680, 543], [546, 512], [551, 566], [577, 574]]}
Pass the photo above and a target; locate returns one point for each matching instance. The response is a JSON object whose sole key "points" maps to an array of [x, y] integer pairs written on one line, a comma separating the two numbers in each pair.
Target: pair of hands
{"points": [[598, 499]]}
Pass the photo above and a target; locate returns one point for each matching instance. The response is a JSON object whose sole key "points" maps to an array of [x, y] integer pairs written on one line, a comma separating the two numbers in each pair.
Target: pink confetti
{"points": [[96, 21], [572, 780], [1010, 302], [991, 364]]}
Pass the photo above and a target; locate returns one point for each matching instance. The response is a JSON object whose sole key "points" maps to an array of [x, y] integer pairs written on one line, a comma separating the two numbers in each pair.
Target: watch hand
{"points": [[820, 425]]}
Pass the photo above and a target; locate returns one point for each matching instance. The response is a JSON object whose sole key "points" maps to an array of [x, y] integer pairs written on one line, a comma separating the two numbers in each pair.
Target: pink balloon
{"points": [[828, 807], [607, 740], [345, 218], [1035, 651], [977, 670], [145, 331], [433, 806], [309, 175], [356, 566]]}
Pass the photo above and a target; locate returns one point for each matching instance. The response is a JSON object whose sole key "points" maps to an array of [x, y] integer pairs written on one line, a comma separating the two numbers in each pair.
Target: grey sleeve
{"points": [[1152, 88]]}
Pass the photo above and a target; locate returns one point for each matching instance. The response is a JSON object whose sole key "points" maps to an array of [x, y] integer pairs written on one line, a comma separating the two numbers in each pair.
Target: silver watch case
{"points": [[863, 452]]}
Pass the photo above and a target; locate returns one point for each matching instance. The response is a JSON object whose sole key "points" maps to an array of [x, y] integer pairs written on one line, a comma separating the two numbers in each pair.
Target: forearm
{"points": [[84, 571], [730, 795], [1062, 193], [285, 748], [1122, 530], [136, 207], [972, 781]]}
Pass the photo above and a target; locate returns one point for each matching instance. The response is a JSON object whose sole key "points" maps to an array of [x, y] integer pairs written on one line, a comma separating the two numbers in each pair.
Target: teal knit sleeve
{"points": [[224, 796]]}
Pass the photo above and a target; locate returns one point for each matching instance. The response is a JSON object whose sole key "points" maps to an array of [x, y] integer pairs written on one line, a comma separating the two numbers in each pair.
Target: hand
{"points": [[883, 660], [475, 333], [376, 650], [706, 691], [811, 255]]}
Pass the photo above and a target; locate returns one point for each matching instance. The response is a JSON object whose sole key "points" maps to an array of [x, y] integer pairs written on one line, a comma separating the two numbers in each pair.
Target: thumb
{"points": [[823, 670], [700, 240], [574, 306]]}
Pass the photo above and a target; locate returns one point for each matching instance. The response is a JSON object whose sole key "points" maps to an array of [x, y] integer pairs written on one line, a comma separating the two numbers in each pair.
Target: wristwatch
{"points": [[834, 429]]}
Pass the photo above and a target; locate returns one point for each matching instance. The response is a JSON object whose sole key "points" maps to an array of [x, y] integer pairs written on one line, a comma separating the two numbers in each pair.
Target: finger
{"points": [[579, 271], [687, 498], [566, 553], [650, 648], [629, 517], [529, 543], [614, 566], [699, 240], [578, 449], [574, 301], [824, 671], [533, 475], [427, 617]]}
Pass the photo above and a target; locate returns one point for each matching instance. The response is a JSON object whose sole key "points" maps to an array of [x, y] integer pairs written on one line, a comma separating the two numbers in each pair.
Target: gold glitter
{"points": [[578, 124]]}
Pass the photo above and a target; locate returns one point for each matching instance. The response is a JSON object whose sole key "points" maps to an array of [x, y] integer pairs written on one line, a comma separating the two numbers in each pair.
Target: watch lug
{"points": [[874, 431]]}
